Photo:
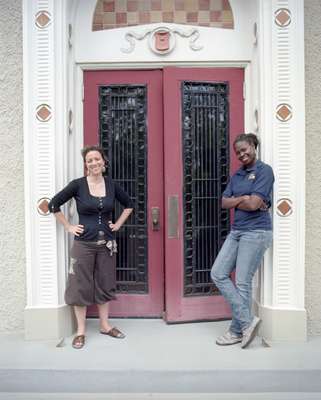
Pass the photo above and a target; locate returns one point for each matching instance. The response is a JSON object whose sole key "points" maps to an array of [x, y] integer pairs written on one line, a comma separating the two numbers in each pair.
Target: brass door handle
{"points": [[155, 218]]}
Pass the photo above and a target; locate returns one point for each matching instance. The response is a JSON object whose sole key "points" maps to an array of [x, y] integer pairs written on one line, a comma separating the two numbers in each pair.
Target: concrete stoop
{"points": [[164, 383], [161, 396], [158, 361]]}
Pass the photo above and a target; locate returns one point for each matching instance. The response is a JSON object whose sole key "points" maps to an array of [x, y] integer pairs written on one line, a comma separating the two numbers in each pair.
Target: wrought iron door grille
{"points": [[206, 171], [123, 136]]}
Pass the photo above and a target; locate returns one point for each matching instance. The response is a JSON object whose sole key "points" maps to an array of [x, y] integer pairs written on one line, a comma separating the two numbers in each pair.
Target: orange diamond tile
{"points": [[43, 113], [284, 207], [42, 19], [284, 112], [283, 18]]}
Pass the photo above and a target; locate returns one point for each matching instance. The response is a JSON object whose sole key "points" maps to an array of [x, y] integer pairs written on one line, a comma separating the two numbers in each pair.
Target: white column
{"points": [[45, 138], [281, 71]]}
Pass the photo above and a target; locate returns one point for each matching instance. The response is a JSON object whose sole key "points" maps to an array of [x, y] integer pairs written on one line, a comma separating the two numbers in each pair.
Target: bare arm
{"points": [[252, 203], [232, 202], [74, 229], [121, 220]]}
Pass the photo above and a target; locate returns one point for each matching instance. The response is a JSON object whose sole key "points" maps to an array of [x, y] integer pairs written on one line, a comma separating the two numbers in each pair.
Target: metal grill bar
{"points": [[123, 136], [206, 170]]}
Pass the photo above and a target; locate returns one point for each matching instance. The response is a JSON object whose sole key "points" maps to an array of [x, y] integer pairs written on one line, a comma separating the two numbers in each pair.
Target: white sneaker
{"points": [[250, 332], [228, 338]]}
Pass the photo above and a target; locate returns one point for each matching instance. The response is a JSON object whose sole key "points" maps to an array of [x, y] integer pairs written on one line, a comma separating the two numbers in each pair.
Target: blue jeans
{"points": [[242, 251]]}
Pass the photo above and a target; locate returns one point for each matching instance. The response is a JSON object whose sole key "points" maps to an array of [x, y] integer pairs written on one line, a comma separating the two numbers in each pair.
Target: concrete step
{"points": [[160, 381], [160, 360], [161, 396]]}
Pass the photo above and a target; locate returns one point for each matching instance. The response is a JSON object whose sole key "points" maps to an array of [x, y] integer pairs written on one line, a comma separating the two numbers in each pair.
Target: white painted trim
{"points": [[281, 324], [64, 75], [281, 68], [45, 159]]}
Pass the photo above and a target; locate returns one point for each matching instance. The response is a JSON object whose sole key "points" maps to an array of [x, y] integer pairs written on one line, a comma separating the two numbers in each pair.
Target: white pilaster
{"points": [[45, 138], [281, 70]]}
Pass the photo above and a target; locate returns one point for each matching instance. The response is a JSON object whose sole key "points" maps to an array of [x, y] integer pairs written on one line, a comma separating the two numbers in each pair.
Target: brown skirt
{"points": [[91, 275]]}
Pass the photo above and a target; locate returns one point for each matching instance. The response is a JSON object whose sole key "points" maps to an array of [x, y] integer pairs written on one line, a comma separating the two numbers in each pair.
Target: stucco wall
{"points": [[313, 165], [12, 250]]}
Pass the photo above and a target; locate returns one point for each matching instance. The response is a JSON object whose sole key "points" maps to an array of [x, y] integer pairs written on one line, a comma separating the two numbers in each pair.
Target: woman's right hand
{"points": [[245, 197], [76, 230]]}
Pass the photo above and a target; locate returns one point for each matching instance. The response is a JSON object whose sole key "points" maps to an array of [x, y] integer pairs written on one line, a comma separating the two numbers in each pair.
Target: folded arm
{"points": [[246, 202]]}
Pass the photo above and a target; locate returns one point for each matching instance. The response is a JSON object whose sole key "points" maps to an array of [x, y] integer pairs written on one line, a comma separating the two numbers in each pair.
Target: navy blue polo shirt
{"points": [[257, 180]]}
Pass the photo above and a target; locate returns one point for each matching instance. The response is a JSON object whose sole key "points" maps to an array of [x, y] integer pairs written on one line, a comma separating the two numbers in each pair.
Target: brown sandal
{"points": [[115, 333], [78, 342]]}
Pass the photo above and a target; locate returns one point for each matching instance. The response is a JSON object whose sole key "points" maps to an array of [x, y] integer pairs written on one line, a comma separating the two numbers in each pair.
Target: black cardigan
{"points": [[94, 212]]}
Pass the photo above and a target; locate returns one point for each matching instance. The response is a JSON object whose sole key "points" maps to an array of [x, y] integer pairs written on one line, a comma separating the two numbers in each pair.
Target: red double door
{"points": [[168, 135]]}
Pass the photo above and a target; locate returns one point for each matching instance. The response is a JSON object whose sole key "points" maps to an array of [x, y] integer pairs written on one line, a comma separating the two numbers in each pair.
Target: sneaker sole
{"points": [[252, 336], [228, 344]]}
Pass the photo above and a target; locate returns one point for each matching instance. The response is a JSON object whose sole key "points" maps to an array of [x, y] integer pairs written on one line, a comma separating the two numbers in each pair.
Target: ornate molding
{"points": [[284, 112], [42, 206], [282, 17], [43, 19], [131, 36], [43, 112], [284, 207]]}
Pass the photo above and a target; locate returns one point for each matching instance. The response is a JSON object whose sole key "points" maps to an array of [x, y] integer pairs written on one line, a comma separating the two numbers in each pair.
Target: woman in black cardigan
{"points": [[92, 269]]}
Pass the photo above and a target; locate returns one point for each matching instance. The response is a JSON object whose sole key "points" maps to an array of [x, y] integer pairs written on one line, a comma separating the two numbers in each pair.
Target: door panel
{"points": [[123, 112], [203, 112], [174, 162]]}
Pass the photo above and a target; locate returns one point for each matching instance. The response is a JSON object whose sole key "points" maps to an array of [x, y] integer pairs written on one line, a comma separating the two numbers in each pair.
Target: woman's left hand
{"points": [[114, 227]]}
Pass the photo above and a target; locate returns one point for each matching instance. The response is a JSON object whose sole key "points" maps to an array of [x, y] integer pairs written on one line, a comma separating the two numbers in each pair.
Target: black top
{"points": [[94, 212]]}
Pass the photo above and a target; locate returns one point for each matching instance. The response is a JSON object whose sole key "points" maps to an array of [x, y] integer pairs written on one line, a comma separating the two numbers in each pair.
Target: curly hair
{"points": [[88, 149]]}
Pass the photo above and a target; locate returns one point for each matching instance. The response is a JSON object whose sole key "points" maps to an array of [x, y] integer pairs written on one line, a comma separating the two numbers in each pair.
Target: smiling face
{"points": [[94, 163], [245, 152]]}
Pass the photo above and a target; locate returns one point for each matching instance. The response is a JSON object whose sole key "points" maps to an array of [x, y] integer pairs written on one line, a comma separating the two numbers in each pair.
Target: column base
{"points": [[282, 325], [45, 323]]}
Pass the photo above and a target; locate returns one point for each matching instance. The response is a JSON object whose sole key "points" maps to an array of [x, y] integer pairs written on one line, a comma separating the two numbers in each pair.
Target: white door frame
{"points": [[54, 58]]}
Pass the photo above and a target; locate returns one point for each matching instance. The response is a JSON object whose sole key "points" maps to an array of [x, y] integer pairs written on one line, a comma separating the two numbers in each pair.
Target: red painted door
{"points": [[203, 112], [123, 111], [164, 270]]}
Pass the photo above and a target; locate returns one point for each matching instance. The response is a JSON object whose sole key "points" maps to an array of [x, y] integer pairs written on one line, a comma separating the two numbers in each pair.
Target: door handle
{"points": [[155, 218]]}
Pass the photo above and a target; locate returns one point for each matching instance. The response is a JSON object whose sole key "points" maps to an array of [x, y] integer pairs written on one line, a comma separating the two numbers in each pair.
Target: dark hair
{"points": [[88, 149], [250, 138]]}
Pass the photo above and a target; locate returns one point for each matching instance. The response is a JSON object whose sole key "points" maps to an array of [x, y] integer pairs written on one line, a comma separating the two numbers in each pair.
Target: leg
{"points": [[79, 340], [252, 246], [80, 312], [80, 285], [103, 310], [221, 271], [105, 284]]}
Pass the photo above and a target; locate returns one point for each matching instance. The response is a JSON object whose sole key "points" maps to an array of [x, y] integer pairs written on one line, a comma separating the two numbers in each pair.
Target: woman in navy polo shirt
{"points": [[92, 268], [249, 193]]}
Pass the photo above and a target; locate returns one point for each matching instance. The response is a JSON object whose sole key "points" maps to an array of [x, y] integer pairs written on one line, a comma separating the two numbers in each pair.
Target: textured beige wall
{"points": [[12, 249], [313, 164]]}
